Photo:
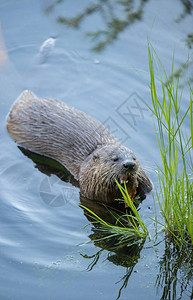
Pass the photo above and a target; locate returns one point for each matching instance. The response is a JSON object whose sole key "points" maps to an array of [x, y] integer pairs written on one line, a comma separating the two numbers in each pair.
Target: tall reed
{"points": [[175, 191]]}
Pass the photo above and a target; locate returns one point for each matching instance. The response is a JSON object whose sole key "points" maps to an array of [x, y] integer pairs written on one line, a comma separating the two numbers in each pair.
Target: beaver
{"points": [[81, 143]]}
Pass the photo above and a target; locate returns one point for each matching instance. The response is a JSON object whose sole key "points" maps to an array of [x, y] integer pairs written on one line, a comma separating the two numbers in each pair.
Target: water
{"points": [[43, 255]]}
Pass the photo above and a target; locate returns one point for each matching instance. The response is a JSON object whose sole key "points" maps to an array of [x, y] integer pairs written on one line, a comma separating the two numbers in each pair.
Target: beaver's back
{"points": [[54, 129]]}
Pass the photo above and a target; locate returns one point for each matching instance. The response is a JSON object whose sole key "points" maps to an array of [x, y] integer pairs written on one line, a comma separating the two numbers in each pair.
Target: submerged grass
{"points": [[175, 193]]}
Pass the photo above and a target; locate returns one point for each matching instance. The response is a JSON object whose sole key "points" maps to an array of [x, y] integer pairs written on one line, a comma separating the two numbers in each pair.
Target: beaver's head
{"points": [[105, 165]]}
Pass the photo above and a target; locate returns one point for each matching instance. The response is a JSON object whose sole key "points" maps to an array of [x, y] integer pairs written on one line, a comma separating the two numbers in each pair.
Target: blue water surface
{"points": [[44, 254]]}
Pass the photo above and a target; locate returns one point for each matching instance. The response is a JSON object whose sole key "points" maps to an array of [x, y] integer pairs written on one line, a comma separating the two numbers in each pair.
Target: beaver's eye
{"points": [[134, 158], [115, 158], [95, 157]]}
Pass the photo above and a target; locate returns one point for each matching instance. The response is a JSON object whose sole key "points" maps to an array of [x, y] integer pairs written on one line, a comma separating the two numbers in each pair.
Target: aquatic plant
{"points": [[175, 191], [127, 229]]}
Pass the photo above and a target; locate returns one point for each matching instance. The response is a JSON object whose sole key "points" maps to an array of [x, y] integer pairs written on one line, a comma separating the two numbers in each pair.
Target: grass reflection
{"points": [[115, 16], [175, 278], [125, 256]]}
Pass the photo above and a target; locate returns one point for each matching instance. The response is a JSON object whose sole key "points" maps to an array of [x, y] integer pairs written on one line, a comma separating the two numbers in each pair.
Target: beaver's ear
{"points": [[95, 157]]}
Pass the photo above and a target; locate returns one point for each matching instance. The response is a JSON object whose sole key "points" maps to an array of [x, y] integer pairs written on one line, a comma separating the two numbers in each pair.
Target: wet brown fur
{"points": [[81, 143]]}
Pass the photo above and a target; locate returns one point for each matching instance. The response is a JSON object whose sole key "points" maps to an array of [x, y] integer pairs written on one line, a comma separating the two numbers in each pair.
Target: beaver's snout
{"points": [[130, 165]]}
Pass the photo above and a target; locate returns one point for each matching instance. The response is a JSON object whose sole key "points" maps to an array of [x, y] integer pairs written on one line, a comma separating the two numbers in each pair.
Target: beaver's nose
{"points": [[130, 165]]}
